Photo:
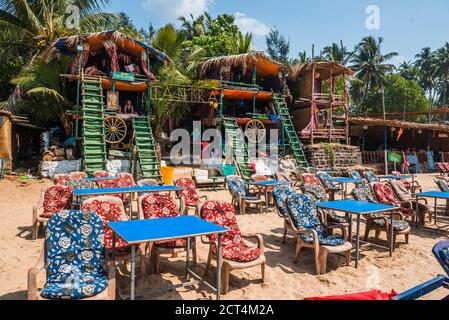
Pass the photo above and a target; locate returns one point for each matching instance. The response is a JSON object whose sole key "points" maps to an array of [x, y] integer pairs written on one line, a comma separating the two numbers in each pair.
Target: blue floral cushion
{"points": [[371, 177], [442, 185], [74, 256], [280, 194], [398, 225], [239, 187], [303, 213], [323, 176]]}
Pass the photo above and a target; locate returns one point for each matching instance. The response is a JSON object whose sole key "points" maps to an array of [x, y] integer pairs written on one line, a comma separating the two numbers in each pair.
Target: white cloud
{"points": [[173, 9], [247, 24]]}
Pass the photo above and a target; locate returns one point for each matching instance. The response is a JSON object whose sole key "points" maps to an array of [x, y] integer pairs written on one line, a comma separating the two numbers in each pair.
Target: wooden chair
{"points": [[190, 196], [236, 253], [64, 283], [52, 200], [442, 168], [242, 194], [156, 206], [111, 209], [379, 222], [311, 232]]}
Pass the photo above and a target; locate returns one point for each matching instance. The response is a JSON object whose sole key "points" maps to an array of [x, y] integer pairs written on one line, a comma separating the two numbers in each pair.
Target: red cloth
{"points": [[368, 295]]}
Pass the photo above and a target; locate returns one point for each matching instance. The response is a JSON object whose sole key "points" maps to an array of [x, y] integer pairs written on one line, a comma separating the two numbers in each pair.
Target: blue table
{"points": [[268, 184], [102, 179], [185, 227], [345, 182], [80, 193], [431, 194], [392, 177], [359, 208]]}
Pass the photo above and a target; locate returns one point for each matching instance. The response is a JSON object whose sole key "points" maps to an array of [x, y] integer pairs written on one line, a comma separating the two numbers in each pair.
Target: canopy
{"points": [[323, 68], [244, 95]]}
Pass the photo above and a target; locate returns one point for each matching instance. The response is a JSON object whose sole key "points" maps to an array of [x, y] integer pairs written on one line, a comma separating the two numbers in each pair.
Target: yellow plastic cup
{"points": [[168, 174]]}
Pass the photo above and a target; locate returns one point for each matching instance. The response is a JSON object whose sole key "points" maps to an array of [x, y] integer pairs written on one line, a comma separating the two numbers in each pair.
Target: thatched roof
{"points": [[322, 67], [19, 120], [266, 67], [96, 41], [375, 122]]}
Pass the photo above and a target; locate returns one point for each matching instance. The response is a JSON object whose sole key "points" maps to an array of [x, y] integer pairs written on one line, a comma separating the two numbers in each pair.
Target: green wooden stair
{"points": [[240, 150], [146, 146], [94, 146], [294, 143]]}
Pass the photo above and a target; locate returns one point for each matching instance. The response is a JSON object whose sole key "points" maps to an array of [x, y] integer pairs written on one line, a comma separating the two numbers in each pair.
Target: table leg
{"points": [[357, 243], [266, 199], [418, 217], [215, 186], [218, 285], [346, 191], [133, 271], [187, 258], [391, 234], [436, 210], [130, 206], [350, 228], [181, 204], [113, 246]]}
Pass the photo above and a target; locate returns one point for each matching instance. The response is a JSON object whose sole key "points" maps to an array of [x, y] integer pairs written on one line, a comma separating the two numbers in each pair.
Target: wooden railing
{"points": [[373, 157]]}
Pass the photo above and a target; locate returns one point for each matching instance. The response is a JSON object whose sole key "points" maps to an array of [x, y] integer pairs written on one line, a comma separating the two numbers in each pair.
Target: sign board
{"points": [[394, 157], [443, 135], [122, 76]]}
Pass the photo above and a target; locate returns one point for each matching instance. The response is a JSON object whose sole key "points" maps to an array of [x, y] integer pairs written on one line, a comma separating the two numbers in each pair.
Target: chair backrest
{"points": [[316, 192], [441, 252], [78, 175], [74, 245], [430, 161], [303, 211], [237, 185], [310, 178], [364, 194], [280, 194], [56, 199], [223, 214], [189, 193], [442, 184], [61, 179], [109, 209], [384, 193], [200, 174], [446, 165], [441, 167], [400, 190], [282, 176], [126, 180], [324, 176], [371, 177], [414, 161], [80, 184], [213, 172], [148, 183], [355, 175], [155, 206], [101, 174], [259, 178]]}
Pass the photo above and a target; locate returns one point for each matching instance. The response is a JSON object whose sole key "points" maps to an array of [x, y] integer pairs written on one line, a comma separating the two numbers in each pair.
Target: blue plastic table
{"points": [[185, 227], [102, 179], [345, 182], [431, 194], [268, 184], [359, 208], [392, 177]]}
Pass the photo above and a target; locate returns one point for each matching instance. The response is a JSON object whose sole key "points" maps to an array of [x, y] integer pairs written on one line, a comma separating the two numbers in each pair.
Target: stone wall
{"points": [[342, 156]]}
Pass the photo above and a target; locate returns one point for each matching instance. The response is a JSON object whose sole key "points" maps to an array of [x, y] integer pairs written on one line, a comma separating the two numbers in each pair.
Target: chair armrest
{"points": [[205, 240], [111, 280], [33, 292], [343, 228], [203, 197], [259, 239], [407, 204], [423, 200]]}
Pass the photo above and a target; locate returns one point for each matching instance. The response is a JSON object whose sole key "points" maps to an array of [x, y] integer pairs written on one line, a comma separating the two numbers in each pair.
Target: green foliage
{"points": [[277, 46]]}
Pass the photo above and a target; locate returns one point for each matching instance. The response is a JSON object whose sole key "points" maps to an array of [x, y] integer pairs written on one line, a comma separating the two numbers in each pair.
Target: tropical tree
{"points": [[194, 27], [278, 47], [408, 70], [371, 66], [337, 53], [425, 61], [442, 61], [243, 43]]}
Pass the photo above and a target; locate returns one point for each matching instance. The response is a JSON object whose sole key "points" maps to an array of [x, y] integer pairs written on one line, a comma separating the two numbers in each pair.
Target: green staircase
{"points": [[289, 129], [94, 146], [240, 150], [146, 146]]}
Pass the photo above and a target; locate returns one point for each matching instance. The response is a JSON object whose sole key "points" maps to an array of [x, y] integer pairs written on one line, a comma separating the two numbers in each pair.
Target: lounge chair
{"points": [[73, 257], [61, 179], [442, 168], [331, 187], [235, 252], [242, 194], [78, 175], [52, 200], [190, 196], [384, 194], [403, 194], [312, 233], [371, 177], [111, 209], [413, 187], [444, 187], [378, 221], [280, 194], [155, 206], [430, 162], [414, 161]]}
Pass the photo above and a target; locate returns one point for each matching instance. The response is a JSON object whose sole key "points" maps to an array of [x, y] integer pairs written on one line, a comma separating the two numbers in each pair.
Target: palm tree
{"points": [[442, 60], [371, 66], [337, 53], [192, 27], [425, 61], [408, 70], [243, 43]]}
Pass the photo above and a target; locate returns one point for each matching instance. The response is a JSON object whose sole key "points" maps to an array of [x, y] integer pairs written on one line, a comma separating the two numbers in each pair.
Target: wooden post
{"points": [[312, 105], [80, 63], [254, 82]]}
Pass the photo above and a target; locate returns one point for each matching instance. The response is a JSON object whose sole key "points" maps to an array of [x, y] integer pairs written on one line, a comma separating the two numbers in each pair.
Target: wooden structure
{"points": [[316, 102]]}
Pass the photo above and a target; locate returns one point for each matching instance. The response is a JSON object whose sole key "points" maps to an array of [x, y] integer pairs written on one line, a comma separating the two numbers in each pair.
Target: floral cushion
{"points": [[108, 212], [57, 198], [126, 180], [78, 175], [74, 256], [114, 183], [386, 195], [371, 177], [234, 248], [407, 184], [80, 184], [239, 187], [280, 194], [442, 185], [303, 213], [156, 206], [189, 194], [398, 225], [324, 176], [364, 194], [101, 174], [310, 178], [61, 179]]}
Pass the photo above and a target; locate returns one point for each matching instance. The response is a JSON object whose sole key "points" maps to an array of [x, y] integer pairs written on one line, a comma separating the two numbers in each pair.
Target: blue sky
{"points": [[406, 25]]}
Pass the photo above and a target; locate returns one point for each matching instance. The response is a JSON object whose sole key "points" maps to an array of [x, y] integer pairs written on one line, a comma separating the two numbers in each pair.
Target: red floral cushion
{"points": [[386, 195], [126, 180], [189, 194], [234, 248], [122, 182], [108, 212], [156, 206], [78, 175], [101, 174], [62, 179], [311, 178], [56, 199]]}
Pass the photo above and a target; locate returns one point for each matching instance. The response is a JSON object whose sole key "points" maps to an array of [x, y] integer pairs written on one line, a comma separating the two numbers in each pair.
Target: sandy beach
{"points": [[411, 264]]}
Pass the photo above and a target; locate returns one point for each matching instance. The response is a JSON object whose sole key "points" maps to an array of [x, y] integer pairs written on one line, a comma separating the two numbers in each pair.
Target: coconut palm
{"points": [[370, 64], [409, 70], [337, 53], [193, 27], [426, 62], [442, 61], [243, 43]]}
